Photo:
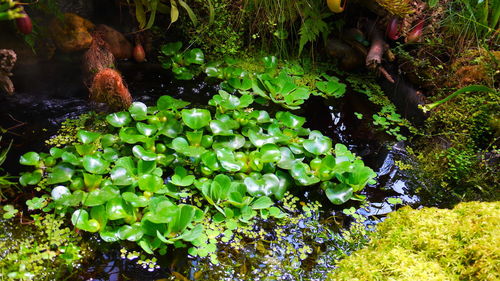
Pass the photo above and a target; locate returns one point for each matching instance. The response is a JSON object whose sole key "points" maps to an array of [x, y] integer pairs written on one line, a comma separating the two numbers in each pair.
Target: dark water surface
{"points": [[49, 93]]}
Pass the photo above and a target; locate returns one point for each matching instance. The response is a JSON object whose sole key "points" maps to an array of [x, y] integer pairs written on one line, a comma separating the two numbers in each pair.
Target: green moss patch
{"points": [[430, 244]]}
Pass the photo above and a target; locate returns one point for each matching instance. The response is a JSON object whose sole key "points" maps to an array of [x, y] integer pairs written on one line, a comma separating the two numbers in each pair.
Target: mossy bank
{"points": [[430, 244]]}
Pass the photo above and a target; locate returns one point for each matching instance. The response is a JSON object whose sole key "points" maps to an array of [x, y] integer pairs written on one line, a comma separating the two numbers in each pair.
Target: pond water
{"points": [[47, 94]]}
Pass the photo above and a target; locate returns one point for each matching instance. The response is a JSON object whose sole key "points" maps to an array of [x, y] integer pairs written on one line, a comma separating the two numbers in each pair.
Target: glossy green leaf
{"points": [[301, 172], [116, 209], [338, 194], [91, 181], [194, 56], [99, 214], [30, 159], [135, 200], [60, 173], [138, 111], [262, 185], [270, 153], [196, 118], [290, 120], [130, 232], [181, 178], [182, 218], [121, 176], [171, 49], [150, 183], [146, 129], [234, 142], [95, 165], [80, 219], [119, 119], [263, 202], [181, 145], [86, 149], [228, 161], [87, 137], [317, 143], [143, 154], [131, 135], [168, 102], [31, 178]]}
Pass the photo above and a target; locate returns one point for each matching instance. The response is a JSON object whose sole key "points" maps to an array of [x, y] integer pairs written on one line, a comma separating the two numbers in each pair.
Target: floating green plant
{"points": [[156, 173]]}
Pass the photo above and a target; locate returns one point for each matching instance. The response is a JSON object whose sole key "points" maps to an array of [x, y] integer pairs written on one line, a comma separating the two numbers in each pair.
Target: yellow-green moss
{"points": [[430, 244]]}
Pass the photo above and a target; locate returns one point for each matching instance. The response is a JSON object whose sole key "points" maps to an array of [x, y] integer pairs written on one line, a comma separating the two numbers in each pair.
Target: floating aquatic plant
{"points": [[157, 172]]}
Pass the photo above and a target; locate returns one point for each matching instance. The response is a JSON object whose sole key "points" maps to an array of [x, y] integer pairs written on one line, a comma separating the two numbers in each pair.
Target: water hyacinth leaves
{"points": [[137, 181], [30, 159], [317, 144], [337, 193], [196, 118], [138, 111], [169, 103], [181, 177], [80, 219], [119, 119], [181, 62]]}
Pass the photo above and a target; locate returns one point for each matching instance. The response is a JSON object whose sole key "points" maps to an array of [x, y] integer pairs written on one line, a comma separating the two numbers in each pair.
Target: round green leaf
{"points": [[60, 173], [270, 153], [194, 56], [115, 209], [80, 219], [138, 111], [131, 232], [145, 129], [168, 102], [317, 143], [290, 120], [30, 159], [196, 118], [150, 183], [31, 178], [95, 165], [339, 194], [119, 119], [87, 137], [143, 154]]}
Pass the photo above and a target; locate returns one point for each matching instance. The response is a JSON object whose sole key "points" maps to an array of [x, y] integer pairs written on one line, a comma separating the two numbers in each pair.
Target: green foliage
{"points": [[430, 244], [183, 64], [220, 30], [42, 251], [286, 26], [473, 21], [467, 89], [387, 119], [9, 10], [313, 25], [455, 152], [135, 181], [10, 211], [301, 246], [145, 8], [281, 85], [5, 179]]}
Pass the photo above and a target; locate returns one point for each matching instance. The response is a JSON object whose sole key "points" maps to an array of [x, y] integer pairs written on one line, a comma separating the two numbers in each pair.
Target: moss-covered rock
{"points": [[430, 244]]}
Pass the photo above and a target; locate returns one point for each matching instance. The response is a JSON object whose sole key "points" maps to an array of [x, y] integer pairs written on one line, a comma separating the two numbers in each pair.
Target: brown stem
{"points": [[378, 44]]}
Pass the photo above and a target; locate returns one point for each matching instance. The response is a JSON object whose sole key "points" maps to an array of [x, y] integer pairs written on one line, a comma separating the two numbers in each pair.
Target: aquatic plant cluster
{"points": [[158, 172], [301, 245], [43, 251], [280, 85]]}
